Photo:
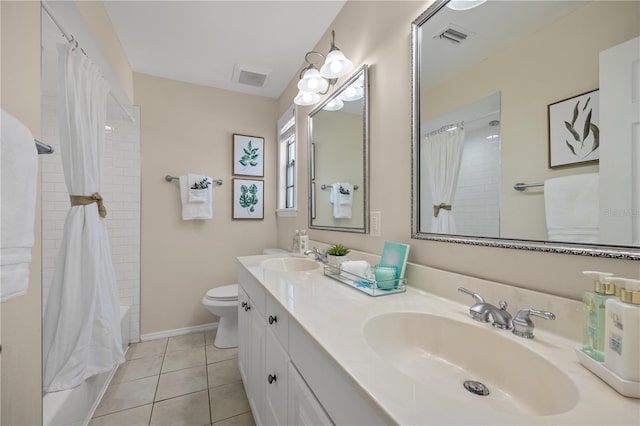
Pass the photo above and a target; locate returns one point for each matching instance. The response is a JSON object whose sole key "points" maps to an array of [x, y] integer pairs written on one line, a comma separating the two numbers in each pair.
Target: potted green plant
{"points": [[336, 254]]}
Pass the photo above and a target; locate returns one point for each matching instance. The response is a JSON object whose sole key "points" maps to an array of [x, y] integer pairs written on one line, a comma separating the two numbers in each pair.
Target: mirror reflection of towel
{"points": [[572, 205], [342, 199]]}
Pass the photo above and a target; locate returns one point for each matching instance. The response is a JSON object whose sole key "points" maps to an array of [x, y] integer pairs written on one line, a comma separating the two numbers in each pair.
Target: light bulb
{"points": [[306, 97], [312, 83], [336, 66], [350, 92]]}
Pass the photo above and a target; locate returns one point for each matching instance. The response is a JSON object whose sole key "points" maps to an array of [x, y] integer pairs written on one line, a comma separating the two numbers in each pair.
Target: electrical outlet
{"points": [[375, 224]]}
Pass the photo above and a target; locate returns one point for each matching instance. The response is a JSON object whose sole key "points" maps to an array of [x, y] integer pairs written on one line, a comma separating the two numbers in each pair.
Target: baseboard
{"points": [[178, 331]]}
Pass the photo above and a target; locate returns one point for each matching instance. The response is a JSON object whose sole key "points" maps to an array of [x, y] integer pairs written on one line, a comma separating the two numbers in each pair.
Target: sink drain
{"points": [[476, 387]]}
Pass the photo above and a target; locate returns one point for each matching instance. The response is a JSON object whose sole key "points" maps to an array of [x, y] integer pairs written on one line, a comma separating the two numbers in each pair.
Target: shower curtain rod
{"points": [[71, 38]]}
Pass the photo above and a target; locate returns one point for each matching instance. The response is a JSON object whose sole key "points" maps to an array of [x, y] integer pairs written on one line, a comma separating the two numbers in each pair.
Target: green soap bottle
{"points": [[593, 313]]}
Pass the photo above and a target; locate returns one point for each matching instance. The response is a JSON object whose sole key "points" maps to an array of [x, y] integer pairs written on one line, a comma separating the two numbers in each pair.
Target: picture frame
{"points": [[248, 155], [248, 199], [574, 130]]}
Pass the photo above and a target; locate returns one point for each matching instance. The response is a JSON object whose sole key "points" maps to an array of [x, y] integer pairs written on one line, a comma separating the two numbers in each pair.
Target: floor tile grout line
{"points": [[153, 401]]}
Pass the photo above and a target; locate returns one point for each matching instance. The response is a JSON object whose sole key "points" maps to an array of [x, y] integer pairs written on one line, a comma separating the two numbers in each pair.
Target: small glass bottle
{"points": [[594, 313], [304, 241], [622, 331]]}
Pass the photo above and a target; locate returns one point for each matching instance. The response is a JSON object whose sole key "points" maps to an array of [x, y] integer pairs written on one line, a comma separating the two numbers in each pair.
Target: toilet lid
{"points": [[226, 292]]}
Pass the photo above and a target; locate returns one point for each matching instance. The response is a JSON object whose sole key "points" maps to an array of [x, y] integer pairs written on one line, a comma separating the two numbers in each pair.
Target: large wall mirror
{"points": [[338, 158], [526, 125]]}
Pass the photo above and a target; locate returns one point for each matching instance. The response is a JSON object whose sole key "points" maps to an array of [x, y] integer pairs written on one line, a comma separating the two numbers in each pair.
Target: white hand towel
{"points": [[342, 199], [361, 268], [571, 206], [199, 185], [19, 176], [198, 209]]}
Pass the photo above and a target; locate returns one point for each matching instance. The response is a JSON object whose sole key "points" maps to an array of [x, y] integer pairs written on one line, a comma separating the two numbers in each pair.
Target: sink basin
{"points": [[291, 264], [442, 353]]}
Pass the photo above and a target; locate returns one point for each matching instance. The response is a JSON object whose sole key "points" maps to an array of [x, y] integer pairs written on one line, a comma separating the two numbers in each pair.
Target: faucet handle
{"points": [[522, 324], [476, 296]]}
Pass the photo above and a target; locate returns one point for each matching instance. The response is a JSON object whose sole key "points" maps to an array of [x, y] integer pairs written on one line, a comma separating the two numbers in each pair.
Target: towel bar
{"points": [[522, 186], [169, 178], [43, 148], [323, 186]]}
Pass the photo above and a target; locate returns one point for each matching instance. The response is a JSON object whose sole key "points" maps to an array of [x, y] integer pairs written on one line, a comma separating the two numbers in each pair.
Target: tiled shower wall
{"points": [[121, 194], [477, 197]]}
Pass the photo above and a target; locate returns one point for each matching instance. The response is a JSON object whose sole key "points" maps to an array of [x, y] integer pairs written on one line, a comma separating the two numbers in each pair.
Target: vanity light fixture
{"points": [[464, 4], [314, 82], [334, 105]]}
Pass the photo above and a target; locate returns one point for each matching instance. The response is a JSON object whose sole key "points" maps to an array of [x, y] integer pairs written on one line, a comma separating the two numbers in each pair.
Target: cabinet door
{"points": [[303, 407], [244, 335], [256, 358], [276, 382]]}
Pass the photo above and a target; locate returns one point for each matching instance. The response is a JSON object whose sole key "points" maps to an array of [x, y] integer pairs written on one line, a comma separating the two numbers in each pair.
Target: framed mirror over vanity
{"points": [[487, 82], [339, 157]]}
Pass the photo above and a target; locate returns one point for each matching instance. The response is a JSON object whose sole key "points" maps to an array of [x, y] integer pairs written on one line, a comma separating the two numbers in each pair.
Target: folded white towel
{"points": [[197, 209], [19, 174], [572, 208], [342, 199], [198, 187], [360, 268]]}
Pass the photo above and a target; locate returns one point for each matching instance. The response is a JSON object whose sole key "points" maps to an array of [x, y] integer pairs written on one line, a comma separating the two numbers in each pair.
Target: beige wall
{"points": [[378, 33], [188, 128], [533, 73], [95, 15], [21, 359]]}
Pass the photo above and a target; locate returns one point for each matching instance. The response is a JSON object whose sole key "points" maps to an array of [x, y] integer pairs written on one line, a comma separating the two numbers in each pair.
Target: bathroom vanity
{"points": [[315, 351]]}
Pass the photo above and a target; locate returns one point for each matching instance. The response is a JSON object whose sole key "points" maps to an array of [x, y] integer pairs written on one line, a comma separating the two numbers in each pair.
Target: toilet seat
{"points": [[225, 293]]}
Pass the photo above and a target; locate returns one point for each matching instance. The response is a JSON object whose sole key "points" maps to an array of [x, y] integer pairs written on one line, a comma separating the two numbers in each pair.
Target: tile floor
{"points": [[182, 380]]}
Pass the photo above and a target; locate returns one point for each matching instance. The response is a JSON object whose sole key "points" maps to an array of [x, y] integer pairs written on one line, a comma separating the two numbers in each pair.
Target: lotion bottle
{"points": [[296, 242], [594, 313], [622, 331]]}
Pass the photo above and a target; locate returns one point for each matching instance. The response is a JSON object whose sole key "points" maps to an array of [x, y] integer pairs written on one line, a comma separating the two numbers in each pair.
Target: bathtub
{"points": [[76, 406]]}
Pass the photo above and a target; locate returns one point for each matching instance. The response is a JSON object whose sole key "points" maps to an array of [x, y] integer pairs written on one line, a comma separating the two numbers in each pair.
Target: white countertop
{"points": [[334, 315]]}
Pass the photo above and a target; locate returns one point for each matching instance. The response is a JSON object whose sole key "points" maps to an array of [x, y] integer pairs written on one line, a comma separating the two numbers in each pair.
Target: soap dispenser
{"points": [[594, 313], [622, 331], [296, 242], [304, 241]]}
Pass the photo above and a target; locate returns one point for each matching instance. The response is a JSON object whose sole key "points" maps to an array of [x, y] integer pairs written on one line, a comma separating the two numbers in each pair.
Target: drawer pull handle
{"points": [[271, 378], [272, 319], [248, 307], [244, 304]]}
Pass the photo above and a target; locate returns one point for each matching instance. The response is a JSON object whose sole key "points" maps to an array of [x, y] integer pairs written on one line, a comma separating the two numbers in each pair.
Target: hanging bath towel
{"points": [[17, 211], [202, 206], [342, 199]]}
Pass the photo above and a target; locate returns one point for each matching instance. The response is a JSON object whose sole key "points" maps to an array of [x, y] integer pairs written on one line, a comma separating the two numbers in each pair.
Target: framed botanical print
{"points": [[574, 130], [248, 155], [248, 199]]}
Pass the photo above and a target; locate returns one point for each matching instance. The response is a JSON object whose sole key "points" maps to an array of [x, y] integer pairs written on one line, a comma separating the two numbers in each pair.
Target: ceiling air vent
{"points": [[250, 76], [455, 35]]}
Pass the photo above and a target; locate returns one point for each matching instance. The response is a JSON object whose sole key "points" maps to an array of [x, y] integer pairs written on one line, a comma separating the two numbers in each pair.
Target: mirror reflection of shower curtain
{"points": [[443, 154], [81, 327]]}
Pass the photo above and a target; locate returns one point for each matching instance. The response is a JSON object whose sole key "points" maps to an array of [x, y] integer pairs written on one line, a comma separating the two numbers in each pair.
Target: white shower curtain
{"points": [[443, 154], [81, 326]]}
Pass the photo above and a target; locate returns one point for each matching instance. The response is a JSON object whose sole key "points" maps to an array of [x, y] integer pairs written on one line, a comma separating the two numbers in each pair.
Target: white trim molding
{"points": [[178, 331]]}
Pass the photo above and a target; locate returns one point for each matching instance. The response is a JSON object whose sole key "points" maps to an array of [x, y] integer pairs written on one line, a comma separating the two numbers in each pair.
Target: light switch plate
{"points": [[376, 224]]}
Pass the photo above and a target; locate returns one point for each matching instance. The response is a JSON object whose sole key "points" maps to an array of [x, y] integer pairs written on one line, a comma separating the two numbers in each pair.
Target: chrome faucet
{"points": [[320, 256], [481, 311], [522, 324]]}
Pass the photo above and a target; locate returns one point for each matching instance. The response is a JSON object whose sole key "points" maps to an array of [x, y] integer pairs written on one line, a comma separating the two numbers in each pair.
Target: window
{"points": [[287, 164]]}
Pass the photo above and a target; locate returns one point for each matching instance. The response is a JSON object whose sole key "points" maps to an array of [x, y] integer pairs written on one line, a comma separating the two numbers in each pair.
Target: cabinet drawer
{"points": [[277, 320], [254, 289]]}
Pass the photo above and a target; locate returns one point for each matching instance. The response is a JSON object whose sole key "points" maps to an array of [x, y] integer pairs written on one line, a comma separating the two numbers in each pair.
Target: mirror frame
{"points": [[594, 250], [365, 151]]}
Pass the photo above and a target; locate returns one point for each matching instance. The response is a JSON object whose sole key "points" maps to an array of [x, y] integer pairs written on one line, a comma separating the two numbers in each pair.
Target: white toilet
{"points": [[223, 302]]}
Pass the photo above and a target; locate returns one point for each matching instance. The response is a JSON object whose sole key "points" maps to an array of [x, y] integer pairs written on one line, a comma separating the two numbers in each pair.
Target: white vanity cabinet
{"points": [[276, 396]]}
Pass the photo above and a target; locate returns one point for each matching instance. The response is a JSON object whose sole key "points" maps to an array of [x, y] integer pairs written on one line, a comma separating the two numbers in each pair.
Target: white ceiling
{"points": [[201, 42]]}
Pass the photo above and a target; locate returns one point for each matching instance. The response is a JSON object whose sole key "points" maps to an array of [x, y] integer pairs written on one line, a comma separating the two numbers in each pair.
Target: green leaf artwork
{"points": [[589, 133], [248, 197], [250, 156]]}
